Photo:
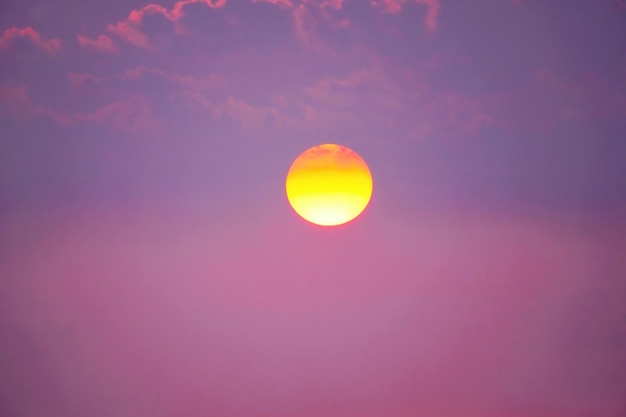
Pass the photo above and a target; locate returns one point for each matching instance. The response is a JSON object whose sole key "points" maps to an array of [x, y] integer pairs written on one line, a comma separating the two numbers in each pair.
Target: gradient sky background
{"points": [[150, 264]]}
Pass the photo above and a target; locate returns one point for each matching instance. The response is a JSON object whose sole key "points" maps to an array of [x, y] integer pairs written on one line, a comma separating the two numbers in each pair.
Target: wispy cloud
{"points": [[389, 6], [52, 45], [19, 103], [432, 15], [239, 110], [285, 3], [332, 4], [195, 90], [370, 95], [304, 25], [396, 6], [132, 114], [339, 92], [208, 82], [102, 43]]}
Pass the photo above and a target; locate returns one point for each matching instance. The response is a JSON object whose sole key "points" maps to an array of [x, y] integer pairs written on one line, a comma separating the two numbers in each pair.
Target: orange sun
{"points": [[329, 185]]}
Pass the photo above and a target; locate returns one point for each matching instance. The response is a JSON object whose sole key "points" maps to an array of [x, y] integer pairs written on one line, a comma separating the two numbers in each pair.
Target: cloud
{"points": [[332, 4], [306, 14], [130, 115], [77, 79], [211, 81], [133, 114], [285, 3], [323, 4], [49, 45], [175, 13], [304, 25], [389, 6], [340, 92], [372, 95], [128, 29], [396, 6], [432, 15], [191, 88], [248, 115], [102, 43], [20, 104], [362, 97], [236, 109], [129, 33]]}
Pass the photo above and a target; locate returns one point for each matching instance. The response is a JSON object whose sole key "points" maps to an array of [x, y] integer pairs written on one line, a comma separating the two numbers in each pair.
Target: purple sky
{"points": [[150, 264]]}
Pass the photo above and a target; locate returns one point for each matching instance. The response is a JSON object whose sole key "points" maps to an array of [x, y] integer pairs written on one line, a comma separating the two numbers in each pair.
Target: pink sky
{"points": [[150, 264]]}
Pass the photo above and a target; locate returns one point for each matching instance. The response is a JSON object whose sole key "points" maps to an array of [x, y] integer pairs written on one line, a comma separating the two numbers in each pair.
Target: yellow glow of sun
{"points": [[329, 185]]}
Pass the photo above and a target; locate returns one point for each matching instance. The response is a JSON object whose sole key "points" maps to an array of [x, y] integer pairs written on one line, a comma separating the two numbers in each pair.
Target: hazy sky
{"points": [[150, 264]]}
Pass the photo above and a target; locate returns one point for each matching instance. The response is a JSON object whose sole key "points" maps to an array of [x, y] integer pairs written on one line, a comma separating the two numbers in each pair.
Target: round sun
{"points": [[329, 185]]}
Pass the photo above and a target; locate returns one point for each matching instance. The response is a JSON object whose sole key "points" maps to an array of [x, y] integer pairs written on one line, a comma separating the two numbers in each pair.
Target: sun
{"points": [[329, 185]]}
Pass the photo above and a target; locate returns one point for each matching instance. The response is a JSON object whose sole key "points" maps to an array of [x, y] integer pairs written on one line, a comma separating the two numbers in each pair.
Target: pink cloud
{"points": [[432, 15], [16, 99], [395, 6], [332, 4], [389, 6], [286, 3], [20, 104], [323, 4], [342, 24], [304, 25], [102, 43], [175, 13], [49, 45], [191, 88], [77, 79], [248, 115], [358, 99], [128, 30], [131, 115], [305, 22], [130, 34], [211, 81], [369, 95], [339, 92], [239, 110]]}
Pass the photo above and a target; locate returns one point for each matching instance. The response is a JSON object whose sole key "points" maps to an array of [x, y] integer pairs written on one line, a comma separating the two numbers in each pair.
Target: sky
{"points": [[150, 264]]}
